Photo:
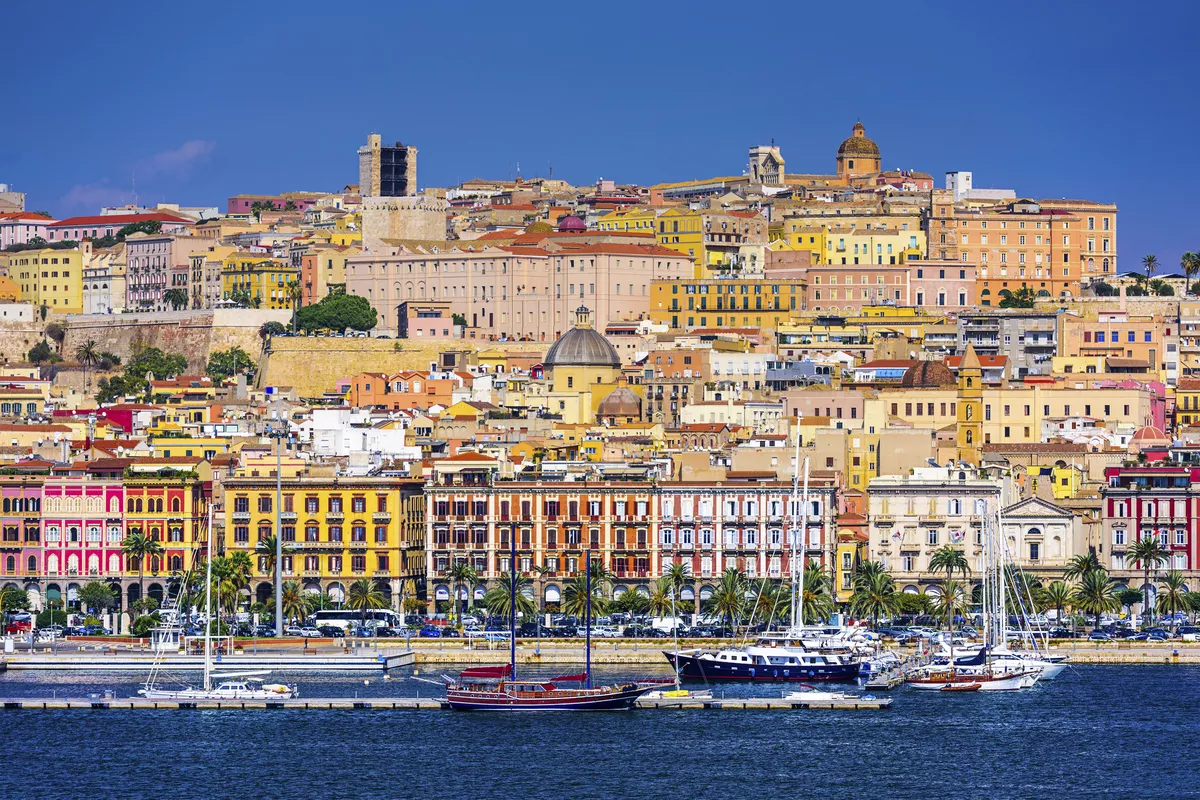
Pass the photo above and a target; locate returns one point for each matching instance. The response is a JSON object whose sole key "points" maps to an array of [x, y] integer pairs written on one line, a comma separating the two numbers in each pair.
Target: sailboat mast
{"points": [[512, 605], [795, 533], [208, 606], [587, 645]]}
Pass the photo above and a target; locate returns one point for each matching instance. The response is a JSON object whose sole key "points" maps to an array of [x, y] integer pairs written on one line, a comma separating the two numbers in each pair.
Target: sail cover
{"points": [[485, 672]]}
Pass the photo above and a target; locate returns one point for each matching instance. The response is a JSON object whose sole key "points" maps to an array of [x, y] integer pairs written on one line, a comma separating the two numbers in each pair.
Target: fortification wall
{"points": [[314, 364], [194, 334]]}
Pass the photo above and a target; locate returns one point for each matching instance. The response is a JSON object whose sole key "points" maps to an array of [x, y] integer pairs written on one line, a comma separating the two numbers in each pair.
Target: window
{"points": [[932, 537], [1034, 551]]}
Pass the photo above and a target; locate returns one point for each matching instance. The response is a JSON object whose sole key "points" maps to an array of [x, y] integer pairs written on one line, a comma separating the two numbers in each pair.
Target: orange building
{"points": [[1047, 246], [404, 391]]}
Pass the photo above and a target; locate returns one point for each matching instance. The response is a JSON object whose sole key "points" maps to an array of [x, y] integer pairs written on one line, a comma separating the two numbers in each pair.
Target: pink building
{"points": [[155, 263], [941, 285], [82, 531], [244, 203], [20, 227], [76, 229], [20, 533]]}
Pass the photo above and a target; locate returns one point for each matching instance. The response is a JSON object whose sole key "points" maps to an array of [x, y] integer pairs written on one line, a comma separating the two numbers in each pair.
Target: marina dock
{"points": [[295, 661], [406, 704]]}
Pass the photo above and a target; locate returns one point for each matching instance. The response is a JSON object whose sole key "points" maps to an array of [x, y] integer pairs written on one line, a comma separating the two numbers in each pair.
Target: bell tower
{"points": [[970, 408]]}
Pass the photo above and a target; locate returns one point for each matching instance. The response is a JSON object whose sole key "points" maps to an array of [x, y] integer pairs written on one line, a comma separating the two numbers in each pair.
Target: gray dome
{"points": [[581, 347]]}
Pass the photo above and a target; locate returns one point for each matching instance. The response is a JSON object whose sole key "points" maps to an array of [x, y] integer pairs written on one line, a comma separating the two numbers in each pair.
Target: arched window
{"points": [[7, 505], [10, 564], [176, 504], [31, 566], [176, 563]]}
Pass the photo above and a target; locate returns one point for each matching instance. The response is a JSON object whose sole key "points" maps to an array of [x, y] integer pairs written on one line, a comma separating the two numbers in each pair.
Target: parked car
{"points": [[1189, 633], [1099, 636], [293, 630], [332, 631], [430, 632], [310, 632]]}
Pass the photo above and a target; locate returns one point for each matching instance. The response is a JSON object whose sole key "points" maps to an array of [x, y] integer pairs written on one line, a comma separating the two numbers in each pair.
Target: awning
{"points": [[485, 672]]}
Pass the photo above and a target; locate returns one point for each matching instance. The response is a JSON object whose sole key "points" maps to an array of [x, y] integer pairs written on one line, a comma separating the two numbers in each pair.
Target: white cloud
{"points": [[179, 161], [92, 196]]}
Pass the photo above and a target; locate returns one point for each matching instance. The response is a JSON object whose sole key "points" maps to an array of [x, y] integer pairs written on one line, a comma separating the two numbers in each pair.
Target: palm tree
{"points": [[265, 550], [1080, 565], [460, 573], [816, 601], [87, 354], [539, 587], [498, 599], [1173, 595], [138, 545], [1058, 595], [1190, 264], [729, 599], [1150, 265], [295, 605], [874, 593], [950, 560], [953, 600], [364, 596], [1151, 554], [575, 598], [1095, 594], [771, 602], [661, 597]]}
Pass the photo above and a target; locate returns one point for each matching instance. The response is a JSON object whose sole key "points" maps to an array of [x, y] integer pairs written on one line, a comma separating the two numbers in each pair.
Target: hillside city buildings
{"points": [[754, 371]]}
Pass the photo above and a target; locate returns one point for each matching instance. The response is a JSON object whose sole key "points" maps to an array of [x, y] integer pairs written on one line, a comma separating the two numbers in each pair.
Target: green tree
{"points": [[1081, 564], [337, 312], [1150, 265], [1095, 594], [1161, 288], [41, 352], [56, 331], [1102, 289], [728, 601], [498, 599], [1190, 264], [816, 601], [461, 573], [874, 594], [365, 595], [1150, 553], [1172, 596], [575, 596], [11, 599], [632, 602], [88, 355], [97, 596], [151, 227], [224, 364], [949, 561], [269, 329], [290, 205], [139, 547], [265, 549], [1021, 298], [1058, 597], [913, 604], [1128, 598], [177, 298], [661, 600], [295, 605], [952, 600]]}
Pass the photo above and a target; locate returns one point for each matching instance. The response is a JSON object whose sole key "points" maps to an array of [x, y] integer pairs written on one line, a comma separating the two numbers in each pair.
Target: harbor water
{"points": [[1098, 731]]}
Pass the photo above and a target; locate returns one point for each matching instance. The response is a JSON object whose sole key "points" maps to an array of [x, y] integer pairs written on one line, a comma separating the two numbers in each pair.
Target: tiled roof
{"points": [[118, 220]]}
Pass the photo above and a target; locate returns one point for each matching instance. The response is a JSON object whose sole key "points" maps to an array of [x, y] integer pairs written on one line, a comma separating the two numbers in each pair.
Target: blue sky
{"points": [[1095, 100]]}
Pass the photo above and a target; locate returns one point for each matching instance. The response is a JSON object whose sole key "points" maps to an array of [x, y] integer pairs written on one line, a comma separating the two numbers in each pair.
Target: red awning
{"points": [[485, 672], [580, 678]]}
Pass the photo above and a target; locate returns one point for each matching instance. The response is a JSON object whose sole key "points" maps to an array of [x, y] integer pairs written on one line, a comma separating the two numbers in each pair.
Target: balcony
{"points": [[334, 516], [287, 516], [241, 516], [381, 516]]}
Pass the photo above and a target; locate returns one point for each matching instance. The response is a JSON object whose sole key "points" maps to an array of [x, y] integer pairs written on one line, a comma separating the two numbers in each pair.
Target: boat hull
{"points": [[618, 700], [200, 694], [696, 668]]}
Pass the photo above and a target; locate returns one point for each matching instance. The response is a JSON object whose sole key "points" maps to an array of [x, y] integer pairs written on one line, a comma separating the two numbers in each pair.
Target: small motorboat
{"points": [[961, 687]]}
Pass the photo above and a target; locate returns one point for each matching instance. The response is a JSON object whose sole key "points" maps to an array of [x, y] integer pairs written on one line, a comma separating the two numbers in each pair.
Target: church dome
{"points": [[581, 346], [858, 144], [571, 223], [928, 375], [622, 402]]}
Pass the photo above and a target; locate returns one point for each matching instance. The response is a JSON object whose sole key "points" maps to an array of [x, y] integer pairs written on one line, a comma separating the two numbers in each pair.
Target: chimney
{"points": [[1122, 298]]}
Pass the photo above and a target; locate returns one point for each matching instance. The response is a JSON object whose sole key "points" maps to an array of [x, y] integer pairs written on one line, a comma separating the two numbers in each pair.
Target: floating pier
{"points": [[407, 704], [363, 661]]}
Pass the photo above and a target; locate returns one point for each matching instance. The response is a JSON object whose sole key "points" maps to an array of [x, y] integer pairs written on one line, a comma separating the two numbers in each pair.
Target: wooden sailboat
{"points": [[498, 689]]}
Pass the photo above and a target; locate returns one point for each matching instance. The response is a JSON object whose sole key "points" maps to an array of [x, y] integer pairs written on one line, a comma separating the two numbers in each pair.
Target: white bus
{"points": [[349, 618]]}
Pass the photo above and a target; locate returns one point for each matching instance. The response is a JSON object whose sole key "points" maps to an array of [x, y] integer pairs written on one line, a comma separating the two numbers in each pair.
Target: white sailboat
{"points": [[235, 685], [981, 670]]}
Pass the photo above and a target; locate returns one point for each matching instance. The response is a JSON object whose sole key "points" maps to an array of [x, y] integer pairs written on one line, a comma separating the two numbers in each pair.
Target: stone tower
{"points": [[386, 171], [970, 408], [766, 165]]}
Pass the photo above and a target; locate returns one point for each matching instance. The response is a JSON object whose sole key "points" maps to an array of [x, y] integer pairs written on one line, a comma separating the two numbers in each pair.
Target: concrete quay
{"points": [[110, 661], [412, 704]]}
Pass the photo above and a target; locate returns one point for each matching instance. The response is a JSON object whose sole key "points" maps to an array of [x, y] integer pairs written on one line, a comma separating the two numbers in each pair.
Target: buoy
{"points": [[366, 683]]}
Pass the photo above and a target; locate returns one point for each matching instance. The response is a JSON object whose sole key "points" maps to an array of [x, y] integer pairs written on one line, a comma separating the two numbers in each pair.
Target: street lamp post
{"points": [[278, 432]]}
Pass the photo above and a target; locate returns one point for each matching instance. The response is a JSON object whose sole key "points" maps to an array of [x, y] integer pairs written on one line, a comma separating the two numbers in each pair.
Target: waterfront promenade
{"points": [[383, 654]]}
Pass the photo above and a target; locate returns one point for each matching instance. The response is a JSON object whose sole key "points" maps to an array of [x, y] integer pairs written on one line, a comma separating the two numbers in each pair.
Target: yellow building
{"points": [[712, 239], [727, 303], [637, 219], [50, 278], [1187, 402], [335, 530], [347, 230], [267, 282]]}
